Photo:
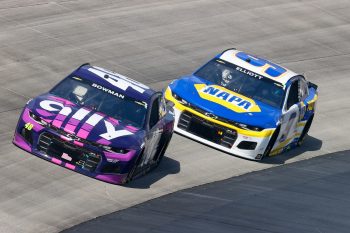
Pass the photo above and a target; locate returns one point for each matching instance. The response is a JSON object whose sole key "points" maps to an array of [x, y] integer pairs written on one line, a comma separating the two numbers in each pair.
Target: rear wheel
{"points": [[305, 131], [271, 143]]}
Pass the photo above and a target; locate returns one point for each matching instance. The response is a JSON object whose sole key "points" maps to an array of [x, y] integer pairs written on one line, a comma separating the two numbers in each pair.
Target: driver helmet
{"points": [[226, 77]]}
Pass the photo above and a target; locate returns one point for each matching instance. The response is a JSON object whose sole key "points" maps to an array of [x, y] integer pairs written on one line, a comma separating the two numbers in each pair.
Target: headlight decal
{"points": [[120, 157]]}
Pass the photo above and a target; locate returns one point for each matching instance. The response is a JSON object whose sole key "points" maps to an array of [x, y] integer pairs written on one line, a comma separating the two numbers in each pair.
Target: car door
{"points": [[290, 115], [155, 130]]}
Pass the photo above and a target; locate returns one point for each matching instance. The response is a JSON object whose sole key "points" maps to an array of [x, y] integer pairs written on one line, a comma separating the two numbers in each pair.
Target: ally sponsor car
{"points": [[98, 123]]}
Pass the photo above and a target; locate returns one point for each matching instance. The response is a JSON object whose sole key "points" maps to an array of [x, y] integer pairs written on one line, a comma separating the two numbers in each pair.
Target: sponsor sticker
{"points": [[66, 157], [227, 98]]}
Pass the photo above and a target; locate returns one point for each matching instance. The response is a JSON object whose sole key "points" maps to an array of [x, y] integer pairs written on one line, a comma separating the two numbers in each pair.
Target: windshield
{"points": [[87, 93], [243, 81]]}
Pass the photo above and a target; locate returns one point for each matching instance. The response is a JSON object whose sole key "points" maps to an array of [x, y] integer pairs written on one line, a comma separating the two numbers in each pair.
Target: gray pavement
{"points": [[308, 196], [154, 42]]}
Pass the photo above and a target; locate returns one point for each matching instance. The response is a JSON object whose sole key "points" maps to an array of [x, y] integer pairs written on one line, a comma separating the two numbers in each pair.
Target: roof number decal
{"points": [[119, 80], [269, 68]]}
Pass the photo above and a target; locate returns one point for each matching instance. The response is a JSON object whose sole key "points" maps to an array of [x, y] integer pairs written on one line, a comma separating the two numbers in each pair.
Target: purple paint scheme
{"points": [[123, 134]]}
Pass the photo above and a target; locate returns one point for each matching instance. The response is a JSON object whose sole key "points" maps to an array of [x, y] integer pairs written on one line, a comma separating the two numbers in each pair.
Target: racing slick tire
{"points": [[162, 152], [271, 143], [134, 168], [305, 131]]}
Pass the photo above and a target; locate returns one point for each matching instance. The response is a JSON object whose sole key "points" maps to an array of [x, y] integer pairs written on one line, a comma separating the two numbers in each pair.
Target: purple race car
{"points": [[98, 123]]}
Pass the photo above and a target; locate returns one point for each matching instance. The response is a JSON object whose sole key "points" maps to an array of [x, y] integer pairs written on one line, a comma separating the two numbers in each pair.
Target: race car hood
{"points": [[224, 103], [85, 123]]}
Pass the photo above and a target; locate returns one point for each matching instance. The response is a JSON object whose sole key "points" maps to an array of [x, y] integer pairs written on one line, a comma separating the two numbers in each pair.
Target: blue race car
{"points": [[99, 123], [243, 105]]}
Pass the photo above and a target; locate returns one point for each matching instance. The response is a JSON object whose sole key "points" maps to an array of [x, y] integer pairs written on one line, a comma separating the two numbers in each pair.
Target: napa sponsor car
{"points": [[243, 105], [98, 123]]}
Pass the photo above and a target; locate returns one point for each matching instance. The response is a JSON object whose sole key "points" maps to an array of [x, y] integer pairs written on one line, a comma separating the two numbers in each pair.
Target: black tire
{"points": [[271, 143], [162, 151], [134, 168], [305, 131]]}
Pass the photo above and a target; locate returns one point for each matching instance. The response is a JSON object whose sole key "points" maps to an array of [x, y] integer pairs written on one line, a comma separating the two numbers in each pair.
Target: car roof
{"points": [[116, 82], [235, 57]]}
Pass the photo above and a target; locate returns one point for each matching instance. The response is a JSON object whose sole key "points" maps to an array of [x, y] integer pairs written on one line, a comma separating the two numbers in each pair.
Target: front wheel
{"points": [[134, 168], [271, 143], [305, 131], [162, 151]]}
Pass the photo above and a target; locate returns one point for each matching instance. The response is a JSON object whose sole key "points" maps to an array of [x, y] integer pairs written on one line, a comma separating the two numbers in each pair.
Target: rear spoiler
{"points": [[85, 64], [228, 50], [312, 85]]}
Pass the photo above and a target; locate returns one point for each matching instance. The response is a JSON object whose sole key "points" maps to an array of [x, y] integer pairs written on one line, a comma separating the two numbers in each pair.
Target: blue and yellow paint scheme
{"points": [[254, 122]]}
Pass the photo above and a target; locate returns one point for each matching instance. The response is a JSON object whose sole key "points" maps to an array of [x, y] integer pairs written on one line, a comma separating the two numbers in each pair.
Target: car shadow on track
{"points": [[310, 144], [166, 167]]}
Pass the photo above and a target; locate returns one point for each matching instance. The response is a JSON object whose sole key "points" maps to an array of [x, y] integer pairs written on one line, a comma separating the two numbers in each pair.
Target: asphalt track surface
{"points": [[154, 42], [315, 199]]}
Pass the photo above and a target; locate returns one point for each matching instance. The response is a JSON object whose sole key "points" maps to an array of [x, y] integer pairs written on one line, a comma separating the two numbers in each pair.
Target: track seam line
{"points": [[96, 57], [16, 93]]}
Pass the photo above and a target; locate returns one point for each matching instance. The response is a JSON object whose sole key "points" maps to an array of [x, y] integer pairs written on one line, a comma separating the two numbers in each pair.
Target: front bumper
{"points": [[204, 124], [19, 141], [33, 145]]}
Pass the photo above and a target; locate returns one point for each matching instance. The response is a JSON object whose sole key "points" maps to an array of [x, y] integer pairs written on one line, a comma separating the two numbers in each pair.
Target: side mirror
{"points": [[312, 85]]}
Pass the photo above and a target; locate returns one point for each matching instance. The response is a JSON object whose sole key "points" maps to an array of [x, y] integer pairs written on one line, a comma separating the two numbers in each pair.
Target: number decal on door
{"points": [[288, 127]]}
